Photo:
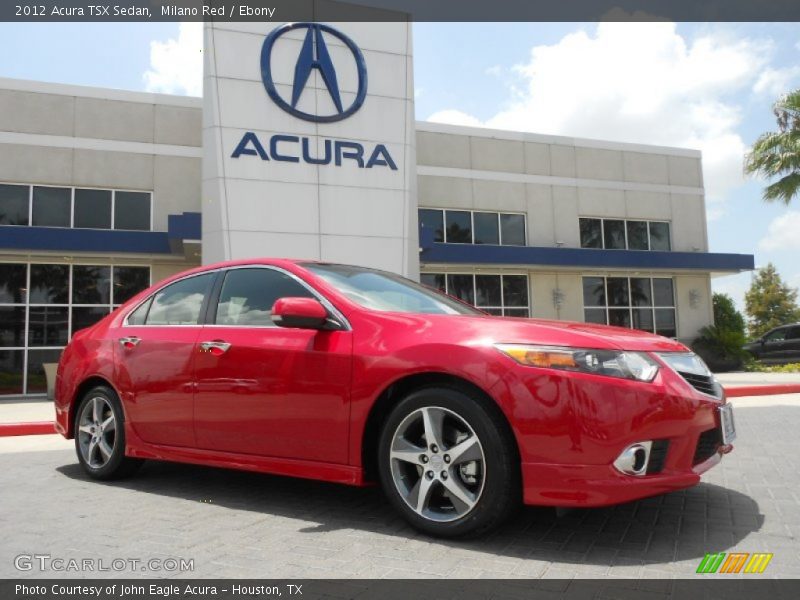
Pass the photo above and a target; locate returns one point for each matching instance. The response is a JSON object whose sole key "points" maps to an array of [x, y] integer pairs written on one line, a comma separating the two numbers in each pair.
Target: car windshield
{"points": [[380, 290]]}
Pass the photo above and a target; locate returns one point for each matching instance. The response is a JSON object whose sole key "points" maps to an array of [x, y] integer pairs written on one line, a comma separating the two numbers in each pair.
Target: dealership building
{"points": [[305, 145]]}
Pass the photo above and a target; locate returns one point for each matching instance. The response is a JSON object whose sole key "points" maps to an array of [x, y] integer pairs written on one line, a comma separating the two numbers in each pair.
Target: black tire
{"points": [[116, 465], [500, 493]]}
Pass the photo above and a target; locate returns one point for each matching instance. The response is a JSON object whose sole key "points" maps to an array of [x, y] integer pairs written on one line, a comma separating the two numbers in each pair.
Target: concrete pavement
{"points": [[236, 524]]}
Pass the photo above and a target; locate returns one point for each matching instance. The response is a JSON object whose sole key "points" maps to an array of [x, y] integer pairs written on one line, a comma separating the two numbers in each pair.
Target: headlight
{"points": [[613, 363], [685, 362]]}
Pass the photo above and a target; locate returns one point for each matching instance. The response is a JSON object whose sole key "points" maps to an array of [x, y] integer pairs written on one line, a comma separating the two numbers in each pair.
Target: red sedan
{"points": [[353, 375]]}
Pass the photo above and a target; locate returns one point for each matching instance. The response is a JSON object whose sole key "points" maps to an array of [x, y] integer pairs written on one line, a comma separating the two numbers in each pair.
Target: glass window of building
{"points": [[38, 318], [613, 234], [52, 207], [497, 294], [129, 281], [91, 285], [659, 236], [434, 280], [49, 284], [637, 235], [433, 220], [462, 287], [458, 227], [591, 233], [93, 209], [36, 378], [488, 290], [487, 230], [512, 228], [13, 283], [14, 201], [132, 211], [618, 234], [12, 371], [636, 302], [45, 206], [48, 326], [474, 227]]}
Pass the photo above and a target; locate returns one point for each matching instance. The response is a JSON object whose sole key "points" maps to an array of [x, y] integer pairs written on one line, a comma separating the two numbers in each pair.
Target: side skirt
{"points": [[305, 469]]}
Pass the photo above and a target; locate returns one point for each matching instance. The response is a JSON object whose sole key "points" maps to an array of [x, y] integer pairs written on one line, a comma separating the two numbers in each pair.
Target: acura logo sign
{"points": [[313, 55]]}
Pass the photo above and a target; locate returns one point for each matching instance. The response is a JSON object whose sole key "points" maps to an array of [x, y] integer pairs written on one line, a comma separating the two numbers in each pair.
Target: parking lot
{"points": [[235, 524]]}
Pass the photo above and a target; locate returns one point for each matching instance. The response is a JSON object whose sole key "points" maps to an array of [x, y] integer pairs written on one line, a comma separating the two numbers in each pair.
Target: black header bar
{"points": [[398, 10]]}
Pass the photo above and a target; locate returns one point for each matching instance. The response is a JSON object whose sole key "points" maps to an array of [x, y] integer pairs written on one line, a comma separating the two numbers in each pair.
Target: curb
{"points": [[32, 428], [762, 390]]}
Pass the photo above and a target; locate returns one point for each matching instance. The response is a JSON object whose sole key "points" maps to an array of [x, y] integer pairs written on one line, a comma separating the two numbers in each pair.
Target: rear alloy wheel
{"points": [[100, 436], [447, 463]]}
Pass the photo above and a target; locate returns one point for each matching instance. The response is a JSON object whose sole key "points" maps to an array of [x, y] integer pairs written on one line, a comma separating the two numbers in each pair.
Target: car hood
{"points": [[488, 329]]}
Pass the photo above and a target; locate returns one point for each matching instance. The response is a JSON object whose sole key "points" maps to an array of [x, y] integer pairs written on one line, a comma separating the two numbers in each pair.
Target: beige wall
{"points": [[52, 134], [144, 143], [557, 180]]}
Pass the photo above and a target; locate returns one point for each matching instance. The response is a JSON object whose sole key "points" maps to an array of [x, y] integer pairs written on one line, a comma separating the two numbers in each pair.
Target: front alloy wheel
{"points": [[448, 462], [437, 464]]}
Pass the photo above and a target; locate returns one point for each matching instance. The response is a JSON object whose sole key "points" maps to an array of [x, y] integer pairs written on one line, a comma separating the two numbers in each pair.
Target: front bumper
{"points": [[570, 428], [593, 485]]}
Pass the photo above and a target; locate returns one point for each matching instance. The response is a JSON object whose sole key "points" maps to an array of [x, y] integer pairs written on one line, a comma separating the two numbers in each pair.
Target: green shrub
{"points": [[754, 365], [721, 349]]}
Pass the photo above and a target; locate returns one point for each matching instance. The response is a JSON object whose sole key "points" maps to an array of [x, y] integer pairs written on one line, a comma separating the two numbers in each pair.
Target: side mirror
{"points": [[299, 313]]}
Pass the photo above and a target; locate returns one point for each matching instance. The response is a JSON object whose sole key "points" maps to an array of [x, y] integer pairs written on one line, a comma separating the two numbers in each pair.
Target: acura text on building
{"points": [[292, 148]]}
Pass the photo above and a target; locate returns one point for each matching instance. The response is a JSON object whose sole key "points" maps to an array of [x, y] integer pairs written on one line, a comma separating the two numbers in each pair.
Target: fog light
{"points": [[633, 460]]}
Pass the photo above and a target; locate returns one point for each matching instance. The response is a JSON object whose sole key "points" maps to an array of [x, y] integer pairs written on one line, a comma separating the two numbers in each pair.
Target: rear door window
{"points": [[180, 303]]}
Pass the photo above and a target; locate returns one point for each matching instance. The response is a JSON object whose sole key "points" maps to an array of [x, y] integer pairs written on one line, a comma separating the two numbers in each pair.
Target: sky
{"points": [[696, 85]]}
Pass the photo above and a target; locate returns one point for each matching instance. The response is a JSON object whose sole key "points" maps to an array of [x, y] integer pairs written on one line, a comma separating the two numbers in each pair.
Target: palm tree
{"points": [[777, 153]]}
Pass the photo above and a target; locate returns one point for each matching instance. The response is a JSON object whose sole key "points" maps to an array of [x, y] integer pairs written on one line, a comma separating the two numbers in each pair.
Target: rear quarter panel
{"points": [[90, 354]]}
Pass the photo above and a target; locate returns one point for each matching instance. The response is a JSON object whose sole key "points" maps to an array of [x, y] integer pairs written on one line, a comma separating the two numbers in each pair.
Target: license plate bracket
{"points": [[726, 424]]}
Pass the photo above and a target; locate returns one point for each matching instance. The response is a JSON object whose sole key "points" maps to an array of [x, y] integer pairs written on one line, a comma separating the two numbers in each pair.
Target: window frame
{"points": [[473, 274], [72, 189], [26, 305], [214, 294], [625, 222], [472, 212], [30, 201], [630, 307]]}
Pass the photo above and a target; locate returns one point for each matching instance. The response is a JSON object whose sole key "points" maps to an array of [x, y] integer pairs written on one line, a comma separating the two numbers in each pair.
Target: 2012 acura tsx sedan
{"points": [[354, 375]]}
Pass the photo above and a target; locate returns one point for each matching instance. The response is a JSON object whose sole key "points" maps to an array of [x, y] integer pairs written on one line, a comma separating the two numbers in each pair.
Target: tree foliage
{"points": [[721, 344], [769, 302], [776, 154], [725, 314]]}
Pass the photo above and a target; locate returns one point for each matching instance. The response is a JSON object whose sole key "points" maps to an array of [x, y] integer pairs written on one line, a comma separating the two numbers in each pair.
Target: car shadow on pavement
{"points": [[673, 527]]}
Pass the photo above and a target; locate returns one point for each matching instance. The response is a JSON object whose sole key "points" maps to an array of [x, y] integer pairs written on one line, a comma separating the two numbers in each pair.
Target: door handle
{"points": [[129, 342], [215, 347]]}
